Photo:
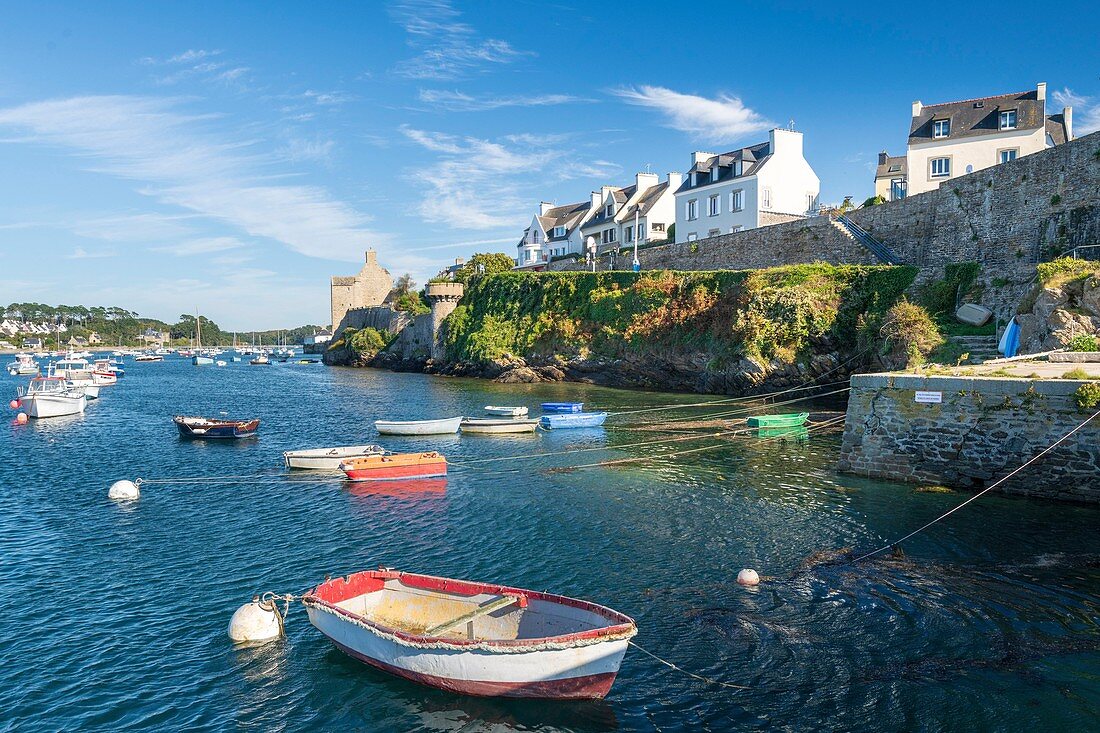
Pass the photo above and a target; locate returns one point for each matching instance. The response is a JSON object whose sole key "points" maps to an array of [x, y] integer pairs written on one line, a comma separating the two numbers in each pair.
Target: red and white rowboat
{"points": [[473, 638], [393, 466]]}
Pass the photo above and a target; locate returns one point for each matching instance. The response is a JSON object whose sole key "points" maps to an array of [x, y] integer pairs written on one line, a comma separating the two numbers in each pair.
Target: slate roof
{"points": [[648, 200], [977, 117], [1056, 128], [752, 158], [621, 196], [896, 166], [563, 216]]}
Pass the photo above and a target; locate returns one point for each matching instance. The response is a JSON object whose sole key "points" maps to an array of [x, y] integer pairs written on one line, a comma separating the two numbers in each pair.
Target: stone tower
{"points": [[370, 287], [444, 299]]}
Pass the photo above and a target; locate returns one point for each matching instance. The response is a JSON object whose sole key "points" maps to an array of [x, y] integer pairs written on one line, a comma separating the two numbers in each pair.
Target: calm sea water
{"points": [[114, 617]]}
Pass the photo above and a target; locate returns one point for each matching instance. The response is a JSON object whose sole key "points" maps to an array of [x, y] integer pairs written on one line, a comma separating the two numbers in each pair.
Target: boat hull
{"points": [[577, 420], [506, 411], [228, 430], [778, 421], [499, 427], [396, 467], [328, 459], [562, 407], [418, 427], [47, 405]]}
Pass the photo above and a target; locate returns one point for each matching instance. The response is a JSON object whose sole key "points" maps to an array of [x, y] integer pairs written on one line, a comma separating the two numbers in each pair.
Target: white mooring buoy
{"points": [[748, 576], [123, 491], [254, 622]]}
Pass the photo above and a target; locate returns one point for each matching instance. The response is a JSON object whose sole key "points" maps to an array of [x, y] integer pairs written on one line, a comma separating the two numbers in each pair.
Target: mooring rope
{"points": [[680, 669], [761, 398], [986, 490]]}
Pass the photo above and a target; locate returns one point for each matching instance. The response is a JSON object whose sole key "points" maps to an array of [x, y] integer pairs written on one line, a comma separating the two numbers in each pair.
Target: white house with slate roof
{"points": [[553, 231], [644, 211], [766, 183], [952, 139]]}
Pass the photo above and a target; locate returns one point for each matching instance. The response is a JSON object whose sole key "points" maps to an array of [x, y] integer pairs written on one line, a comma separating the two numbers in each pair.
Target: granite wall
{"points": [[984, 428]]}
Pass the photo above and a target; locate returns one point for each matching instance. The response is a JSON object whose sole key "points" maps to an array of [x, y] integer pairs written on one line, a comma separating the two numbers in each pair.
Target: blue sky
{"points": [[157, 156]]}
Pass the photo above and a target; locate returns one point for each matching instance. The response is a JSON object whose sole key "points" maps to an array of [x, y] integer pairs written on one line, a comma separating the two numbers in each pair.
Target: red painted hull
{"points": [[395, 473], [591, 687]]}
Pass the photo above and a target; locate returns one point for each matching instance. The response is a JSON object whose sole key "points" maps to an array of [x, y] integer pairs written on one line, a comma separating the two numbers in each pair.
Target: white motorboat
{"points": [[506, 411], [445, 426], [499, 426], [328, 459], [24, 365], [148, 357], [52, 397], [81, 374]]}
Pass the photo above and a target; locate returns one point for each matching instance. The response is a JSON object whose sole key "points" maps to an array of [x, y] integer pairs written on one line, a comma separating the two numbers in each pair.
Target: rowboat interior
{"points": [[423, 606]]}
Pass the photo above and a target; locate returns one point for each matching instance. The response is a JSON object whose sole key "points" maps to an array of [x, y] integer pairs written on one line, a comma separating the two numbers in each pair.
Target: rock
{"points": [[1049, 301], [519, 375], [551, 373], [1090, 296], [1065, 324], [1031, 340]]}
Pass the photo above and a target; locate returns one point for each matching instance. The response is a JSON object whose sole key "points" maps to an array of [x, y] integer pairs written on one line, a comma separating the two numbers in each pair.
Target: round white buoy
{"points": [[255, 622], [748, 576], [21, 418], [123, 491]]}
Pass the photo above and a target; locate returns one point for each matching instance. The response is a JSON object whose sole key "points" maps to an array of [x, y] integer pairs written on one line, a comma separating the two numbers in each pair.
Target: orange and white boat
{"points": [[473, 638], [393, 466]]}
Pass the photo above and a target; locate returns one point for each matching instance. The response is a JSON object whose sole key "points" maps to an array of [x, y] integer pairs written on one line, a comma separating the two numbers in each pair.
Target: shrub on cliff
{"points": [[1065, 269], [367, 342], [909, 335]]}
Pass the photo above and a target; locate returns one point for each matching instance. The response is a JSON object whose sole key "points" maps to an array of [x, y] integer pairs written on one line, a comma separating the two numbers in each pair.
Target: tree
{"points": [[874, 201], [484, 263], [404, 284]]}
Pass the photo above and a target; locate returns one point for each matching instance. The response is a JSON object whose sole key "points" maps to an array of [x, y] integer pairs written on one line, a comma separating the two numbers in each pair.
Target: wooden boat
{"points": [[508, 411], [215, 428], [51, 397], [445, 426], [473, 638], [328, 459], [498, 426], [786, 420], [559, 407], [393, 466], [576, 420]]}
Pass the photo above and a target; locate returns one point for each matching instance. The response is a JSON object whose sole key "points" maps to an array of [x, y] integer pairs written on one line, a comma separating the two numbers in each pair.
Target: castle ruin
{"points": [[368, 288]]}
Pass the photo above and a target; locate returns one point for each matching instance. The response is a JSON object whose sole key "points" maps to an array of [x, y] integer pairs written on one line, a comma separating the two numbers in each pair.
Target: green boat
{"points": [[797, 433], [788, 420]]}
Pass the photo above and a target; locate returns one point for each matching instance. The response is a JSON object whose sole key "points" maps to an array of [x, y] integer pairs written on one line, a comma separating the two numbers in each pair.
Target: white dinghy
{"points": [[328, 459], [506, 411], [446, 426]]}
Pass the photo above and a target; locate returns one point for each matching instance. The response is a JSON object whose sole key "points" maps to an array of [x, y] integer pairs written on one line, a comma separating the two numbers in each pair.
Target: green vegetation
{"points": [[779, 313], [1065, 269], [487, 263], [364, 343], [1087, 396], [1083, 342], [874, 201], [413, 303], [1077, 373], [1055, 200], [941, 298], [909, 334]]}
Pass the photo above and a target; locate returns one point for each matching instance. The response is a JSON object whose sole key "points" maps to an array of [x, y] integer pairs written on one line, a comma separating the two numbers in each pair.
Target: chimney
{"points": [[675, 180], [643, 181], [1067, 115], [1041, 91], [372, 257], [544, 207], [699, 156], [459, 261], [597, 200], [917, 107], [785, 142], [882, 158]]}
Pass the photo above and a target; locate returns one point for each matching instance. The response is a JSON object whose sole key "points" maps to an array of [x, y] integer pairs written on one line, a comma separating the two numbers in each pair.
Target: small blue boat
{"points": [[562, 407], [575, 420]]}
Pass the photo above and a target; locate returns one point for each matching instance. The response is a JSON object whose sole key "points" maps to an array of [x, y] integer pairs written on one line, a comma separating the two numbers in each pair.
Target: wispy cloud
{"points": [[205, 245], [456, 101], [721, 119], [486, 184], [1086, 110], [327, 99], [82, 254], [196, 63], [181, 161], [446, 47]]}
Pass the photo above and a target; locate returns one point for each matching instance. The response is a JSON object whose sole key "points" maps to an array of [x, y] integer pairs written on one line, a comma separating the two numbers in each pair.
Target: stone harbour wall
{"points": [[984, 428]]}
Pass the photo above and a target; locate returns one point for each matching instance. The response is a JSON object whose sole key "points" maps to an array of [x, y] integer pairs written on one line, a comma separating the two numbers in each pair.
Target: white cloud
{"points": [[723, 119], [1086, 111], [191, 55], [456, 101], [327, 99], [181, 161], [198, 64], [82, 254], [447, 48]]}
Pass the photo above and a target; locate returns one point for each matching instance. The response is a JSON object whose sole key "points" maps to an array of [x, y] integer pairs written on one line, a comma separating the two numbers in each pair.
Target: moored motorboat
{"points": [[215, 428], [328, 459], [473, 638], [51, 397], [497, 426], [444, 426], [148, 357], [786, 420], [24, 365], [560, 407], [574, 420], [391, 466], [260, 360], [508, 411]]}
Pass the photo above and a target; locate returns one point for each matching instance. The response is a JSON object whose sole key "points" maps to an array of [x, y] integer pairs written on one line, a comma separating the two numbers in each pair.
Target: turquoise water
{"points": [[114, 617]]}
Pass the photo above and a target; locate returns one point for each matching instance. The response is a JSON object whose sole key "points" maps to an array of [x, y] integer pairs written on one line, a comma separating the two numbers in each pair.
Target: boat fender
{"points": [[123, 491], [21, 418], [256, 622], [14, 404], [749, 577]]}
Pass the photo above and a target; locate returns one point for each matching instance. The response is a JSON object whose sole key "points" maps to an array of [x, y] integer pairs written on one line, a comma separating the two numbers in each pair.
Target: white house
{"points": [[766, 183], [553, 231], [952, 139], [644, 211]]}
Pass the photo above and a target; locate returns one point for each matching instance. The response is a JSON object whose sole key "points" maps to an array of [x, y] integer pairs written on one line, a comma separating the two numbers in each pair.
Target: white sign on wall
{"points": [[929, 398]]}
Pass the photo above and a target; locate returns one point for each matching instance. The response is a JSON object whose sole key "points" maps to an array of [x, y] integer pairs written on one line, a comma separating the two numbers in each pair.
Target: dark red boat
{"points": [[215, 428]]}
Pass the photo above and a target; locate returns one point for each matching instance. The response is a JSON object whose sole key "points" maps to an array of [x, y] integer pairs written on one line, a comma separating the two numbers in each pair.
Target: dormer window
{"points": [[1008, 119], [559, 232], [894, 169], [941, 128], [609, 211], [714, 173], [738, 168]]}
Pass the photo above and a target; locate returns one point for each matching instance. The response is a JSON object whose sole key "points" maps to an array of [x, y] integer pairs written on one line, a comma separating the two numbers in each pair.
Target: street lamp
{"points": [[637, 265]]}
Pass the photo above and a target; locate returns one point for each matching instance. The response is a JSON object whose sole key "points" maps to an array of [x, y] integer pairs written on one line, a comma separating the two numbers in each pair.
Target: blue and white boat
{"points": [[562, 407], [573, 420]]}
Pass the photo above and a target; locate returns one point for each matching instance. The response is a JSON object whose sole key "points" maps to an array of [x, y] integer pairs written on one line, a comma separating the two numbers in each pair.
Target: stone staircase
{"points": [[980, 348], [881, 252]]}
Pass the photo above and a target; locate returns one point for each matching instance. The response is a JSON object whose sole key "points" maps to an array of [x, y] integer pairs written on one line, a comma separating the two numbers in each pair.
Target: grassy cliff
{"points": [[782, 314]]}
